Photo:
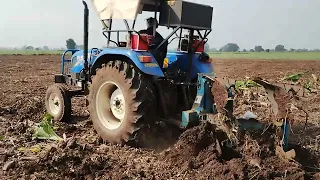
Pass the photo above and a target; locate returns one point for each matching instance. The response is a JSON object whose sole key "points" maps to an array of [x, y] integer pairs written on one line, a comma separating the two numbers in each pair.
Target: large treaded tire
{"points": [[64, 110], [138, 95]]}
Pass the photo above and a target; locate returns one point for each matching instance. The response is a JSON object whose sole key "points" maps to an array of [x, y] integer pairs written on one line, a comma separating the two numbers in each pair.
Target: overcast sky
{"points": [[293, 23]]}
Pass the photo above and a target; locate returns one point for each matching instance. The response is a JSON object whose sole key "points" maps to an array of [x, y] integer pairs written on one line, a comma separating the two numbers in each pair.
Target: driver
{"points": [[161, 53]]}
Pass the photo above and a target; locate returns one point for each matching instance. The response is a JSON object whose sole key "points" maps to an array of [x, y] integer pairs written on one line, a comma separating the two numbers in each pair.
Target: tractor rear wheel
{"points": [[58, 102], [119, 102]]}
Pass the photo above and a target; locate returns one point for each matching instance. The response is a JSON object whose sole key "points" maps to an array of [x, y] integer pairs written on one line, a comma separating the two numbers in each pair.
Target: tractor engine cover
{"points": [[182, 13]]}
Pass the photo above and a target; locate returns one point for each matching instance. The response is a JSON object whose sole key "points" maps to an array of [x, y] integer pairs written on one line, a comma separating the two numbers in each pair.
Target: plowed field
{"points": [[195, 154]]}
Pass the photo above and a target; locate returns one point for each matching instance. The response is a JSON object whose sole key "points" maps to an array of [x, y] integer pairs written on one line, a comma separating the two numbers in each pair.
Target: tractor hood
{"points": [[122, 9]]}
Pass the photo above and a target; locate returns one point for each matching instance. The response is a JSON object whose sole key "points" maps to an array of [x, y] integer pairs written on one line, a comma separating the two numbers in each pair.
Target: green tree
{"points": [[258, 49], [280, 48], [251, 50], [29, 48], [244, 50], [230, 47], [71, 44], [46, 48]]}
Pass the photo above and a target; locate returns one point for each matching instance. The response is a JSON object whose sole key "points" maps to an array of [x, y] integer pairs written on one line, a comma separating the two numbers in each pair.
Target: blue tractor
{"points": [[137, 80]]}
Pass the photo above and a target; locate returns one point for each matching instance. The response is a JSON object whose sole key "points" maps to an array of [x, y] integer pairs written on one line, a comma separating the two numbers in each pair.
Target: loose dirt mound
{"points": [[203, 152], [206, 152]]}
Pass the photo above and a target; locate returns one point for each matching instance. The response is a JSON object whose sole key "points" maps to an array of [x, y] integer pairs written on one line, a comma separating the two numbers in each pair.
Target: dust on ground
{"points": [[203, 152]]}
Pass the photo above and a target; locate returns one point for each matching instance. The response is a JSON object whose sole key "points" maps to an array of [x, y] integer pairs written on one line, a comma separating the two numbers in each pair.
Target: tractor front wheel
{"points": [[118, 101], [58, 102]]}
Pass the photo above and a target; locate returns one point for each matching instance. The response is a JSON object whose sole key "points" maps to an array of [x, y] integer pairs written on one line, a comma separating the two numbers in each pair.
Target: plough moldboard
{"points": [[223, 93]]}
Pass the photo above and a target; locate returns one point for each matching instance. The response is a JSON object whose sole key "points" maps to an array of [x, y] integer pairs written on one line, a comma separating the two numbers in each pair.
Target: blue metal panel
{"points": [[285, 130], [152, 68], [172, 57], [204, 100], [64, 60], [200, 67], [77, 60], [197, 65], [188, 117], [202, 104]]}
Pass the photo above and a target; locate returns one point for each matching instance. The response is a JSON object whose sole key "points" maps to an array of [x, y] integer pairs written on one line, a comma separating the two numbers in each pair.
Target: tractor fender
{"points": [[109, 54]]}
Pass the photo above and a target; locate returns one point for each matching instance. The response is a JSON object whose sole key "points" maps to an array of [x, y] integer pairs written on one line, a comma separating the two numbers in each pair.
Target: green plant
{"points": [[245, 84], [293, 77], [308, 86], [45, 130]]}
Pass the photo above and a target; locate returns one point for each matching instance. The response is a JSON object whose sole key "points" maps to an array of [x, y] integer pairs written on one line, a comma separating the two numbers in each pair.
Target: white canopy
{"points": [[119, 9]]}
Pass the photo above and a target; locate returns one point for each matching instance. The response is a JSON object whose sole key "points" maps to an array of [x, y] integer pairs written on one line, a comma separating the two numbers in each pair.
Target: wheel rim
{"points": [[54, 104], [110, 105]]}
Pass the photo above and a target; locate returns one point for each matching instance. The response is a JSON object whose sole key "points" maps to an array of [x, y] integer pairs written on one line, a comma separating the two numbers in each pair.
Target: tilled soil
{"points": [[202, 152]]}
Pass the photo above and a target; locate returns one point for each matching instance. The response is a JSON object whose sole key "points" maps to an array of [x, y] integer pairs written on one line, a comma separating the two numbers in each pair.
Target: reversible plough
{"points": [[282, 98]]}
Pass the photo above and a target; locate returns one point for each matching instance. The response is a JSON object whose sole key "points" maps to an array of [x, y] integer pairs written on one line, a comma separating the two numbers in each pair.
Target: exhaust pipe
{"points": [[85, 40]]}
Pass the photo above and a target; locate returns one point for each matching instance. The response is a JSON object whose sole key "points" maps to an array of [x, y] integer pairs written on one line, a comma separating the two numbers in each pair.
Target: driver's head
{"points": [[151, 22]]}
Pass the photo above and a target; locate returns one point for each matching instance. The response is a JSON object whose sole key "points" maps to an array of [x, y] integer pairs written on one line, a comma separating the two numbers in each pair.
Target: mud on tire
{"points": [[119, 102]]}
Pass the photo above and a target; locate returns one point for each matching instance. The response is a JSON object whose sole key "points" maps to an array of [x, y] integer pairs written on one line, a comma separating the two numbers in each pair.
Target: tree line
{"points": [[230, 47]]}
